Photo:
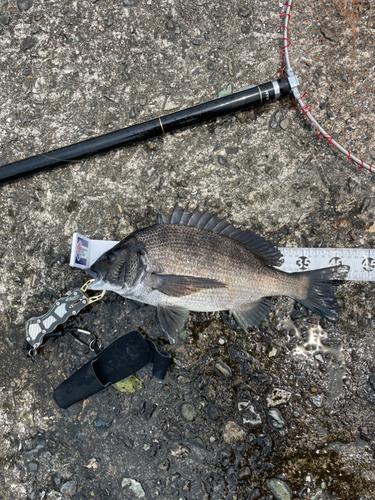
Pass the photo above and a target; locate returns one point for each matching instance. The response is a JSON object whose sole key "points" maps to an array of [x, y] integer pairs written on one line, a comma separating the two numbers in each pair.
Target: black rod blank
{"points": [[245, 99]]}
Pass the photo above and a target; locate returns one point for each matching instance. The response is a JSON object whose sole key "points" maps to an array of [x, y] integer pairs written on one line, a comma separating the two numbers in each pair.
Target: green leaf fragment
{"points": [[129, 384]]}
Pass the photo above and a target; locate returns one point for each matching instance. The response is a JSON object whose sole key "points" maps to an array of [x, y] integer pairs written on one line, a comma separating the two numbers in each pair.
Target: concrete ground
{"points": [[286, 412]]}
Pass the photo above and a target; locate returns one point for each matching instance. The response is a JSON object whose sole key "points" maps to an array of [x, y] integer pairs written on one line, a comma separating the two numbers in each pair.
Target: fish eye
{"points": [[110, 258]]}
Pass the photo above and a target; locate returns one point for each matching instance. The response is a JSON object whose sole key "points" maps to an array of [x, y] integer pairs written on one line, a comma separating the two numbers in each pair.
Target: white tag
{"points": [[85, 251], [361, 261]]}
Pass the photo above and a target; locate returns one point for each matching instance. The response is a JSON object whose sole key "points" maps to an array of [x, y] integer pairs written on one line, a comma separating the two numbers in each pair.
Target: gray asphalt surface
{"points": [[285, 412]]}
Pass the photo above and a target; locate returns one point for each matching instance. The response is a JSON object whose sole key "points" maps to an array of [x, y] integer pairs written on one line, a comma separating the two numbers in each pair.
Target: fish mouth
{"points": [[92, 273], [98, 283]]}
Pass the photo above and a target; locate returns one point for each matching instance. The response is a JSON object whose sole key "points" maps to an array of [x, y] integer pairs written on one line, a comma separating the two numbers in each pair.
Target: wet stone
{"points": [[279, 489], [5, 20], [231, 150], [28, 43], [101, 426], [254, 494], [317, 400], [180, 451], [24, 4], [265, 442], [212, 412], [133, 486], [244, 473], [244, 12], [69, 488], [233, 433], [365, 204], [187, 412], [284, 124], [210, 65], [278, 397], [276, 419], [221, 160], [223, 369], [276, 119], [251, 416], [132, 113], [170, 25], [33, 466]]}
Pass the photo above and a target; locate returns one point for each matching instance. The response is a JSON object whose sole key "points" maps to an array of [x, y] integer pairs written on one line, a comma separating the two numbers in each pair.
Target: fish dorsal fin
{"points": [[204, 220]]}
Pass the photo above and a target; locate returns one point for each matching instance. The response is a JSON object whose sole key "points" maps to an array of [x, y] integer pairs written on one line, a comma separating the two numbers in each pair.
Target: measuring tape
{"points": [[85, 252], [360, 260]]}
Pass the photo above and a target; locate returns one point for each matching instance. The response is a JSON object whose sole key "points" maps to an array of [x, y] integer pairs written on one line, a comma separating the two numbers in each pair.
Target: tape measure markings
{"points": [[360, 260]]}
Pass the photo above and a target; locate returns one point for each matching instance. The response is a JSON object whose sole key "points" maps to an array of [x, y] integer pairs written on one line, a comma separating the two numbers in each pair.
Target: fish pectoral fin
{"points": [[178, 286], [255, 313], [172, 320]]}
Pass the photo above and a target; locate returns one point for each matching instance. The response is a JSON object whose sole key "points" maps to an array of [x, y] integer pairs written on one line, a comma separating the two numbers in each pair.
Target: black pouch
{"points": [[119, 360]]}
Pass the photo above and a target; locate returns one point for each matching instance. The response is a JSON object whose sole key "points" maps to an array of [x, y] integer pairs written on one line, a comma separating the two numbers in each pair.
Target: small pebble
{"points": [[277, 419], [245, 30], [278, 397], [284, 124], [132, 113], [170, 25], [225, 92], [365, 204], [134, 486], [5, 20], [212, 412], [24, 4], [143, 100], [210, 65], [223, 369], [244, 12], [233, 433], [279, 489], [169, 104], [272, 352], [187, 412], [221, 160], [33, 466], [276, 119], [28, 43], [69, 488]]}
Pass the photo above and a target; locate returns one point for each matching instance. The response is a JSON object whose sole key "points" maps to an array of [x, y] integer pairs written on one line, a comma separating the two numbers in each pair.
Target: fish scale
{"points": [[189, 251], [195, 261]]}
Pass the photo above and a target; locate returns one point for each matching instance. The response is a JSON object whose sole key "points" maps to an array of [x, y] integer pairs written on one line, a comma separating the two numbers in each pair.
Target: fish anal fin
{"points": [[179, 286], [172, 320], [254, 313]]}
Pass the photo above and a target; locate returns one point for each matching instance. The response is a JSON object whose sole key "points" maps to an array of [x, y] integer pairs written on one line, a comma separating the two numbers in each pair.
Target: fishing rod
{"points": [[250, 97]]}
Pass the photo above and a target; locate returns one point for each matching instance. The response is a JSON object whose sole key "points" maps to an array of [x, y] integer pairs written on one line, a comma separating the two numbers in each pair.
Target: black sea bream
{"points": [[199, 262]]}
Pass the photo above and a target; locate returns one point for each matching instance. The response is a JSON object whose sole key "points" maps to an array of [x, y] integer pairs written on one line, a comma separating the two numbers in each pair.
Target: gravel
{"points": [[229, 421]]}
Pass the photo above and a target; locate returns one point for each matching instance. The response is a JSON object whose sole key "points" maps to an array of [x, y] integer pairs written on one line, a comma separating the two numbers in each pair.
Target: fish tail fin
{"points": [[321, 286]]}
